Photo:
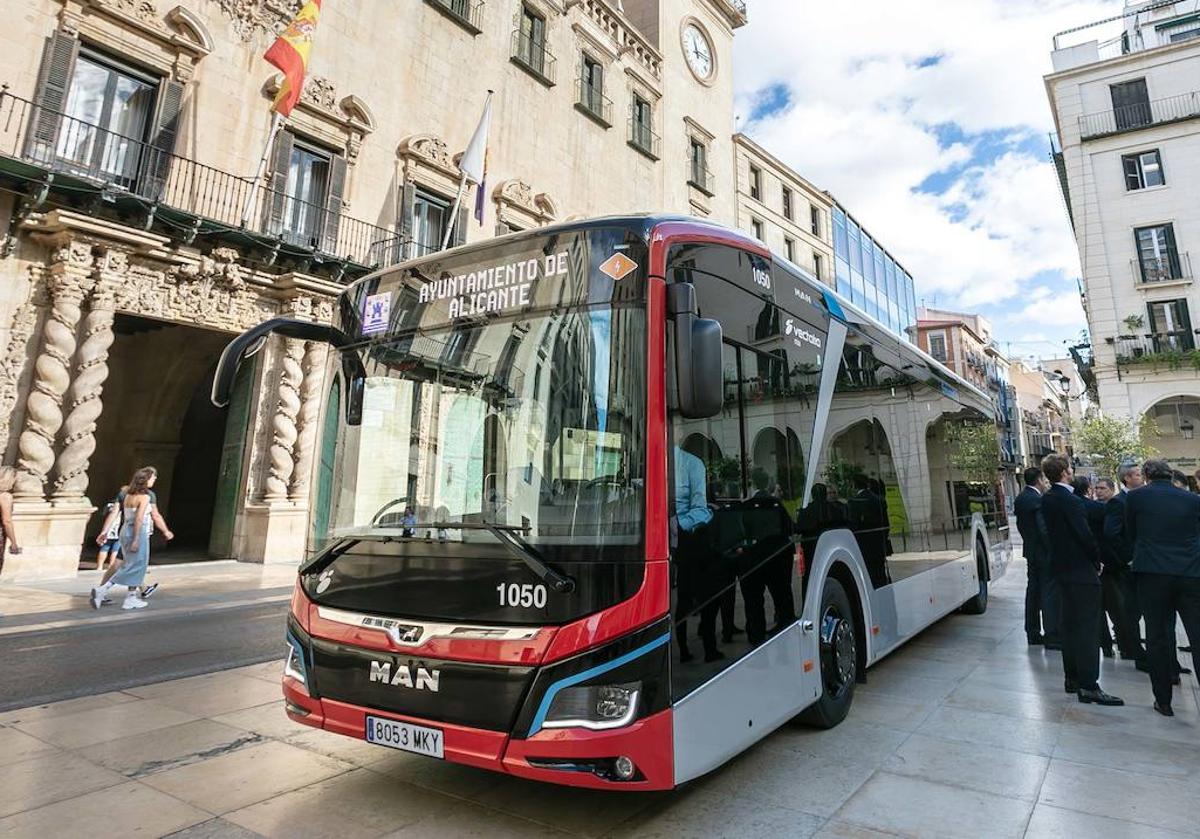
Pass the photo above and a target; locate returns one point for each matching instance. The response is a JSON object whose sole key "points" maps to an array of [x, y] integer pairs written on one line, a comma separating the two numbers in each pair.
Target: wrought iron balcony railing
{"points": [[1134, 348], [1141, 115], [643, 138], [699, 176], [466, 13], [38, 145], [592, 100], [1167, 269], [533, 55]]}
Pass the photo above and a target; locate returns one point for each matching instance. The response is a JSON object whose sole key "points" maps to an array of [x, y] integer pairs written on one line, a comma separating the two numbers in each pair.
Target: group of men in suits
{"points": [[1134, 553]]}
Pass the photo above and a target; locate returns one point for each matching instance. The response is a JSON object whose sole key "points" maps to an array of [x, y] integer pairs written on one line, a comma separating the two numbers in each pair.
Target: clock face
{"points": [[698, 51]]}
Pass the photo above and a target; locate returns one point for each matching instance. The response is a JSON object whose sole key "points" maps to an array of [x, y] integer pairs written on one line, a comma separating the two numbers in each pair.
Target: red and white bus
{"points": [[544, 456]]}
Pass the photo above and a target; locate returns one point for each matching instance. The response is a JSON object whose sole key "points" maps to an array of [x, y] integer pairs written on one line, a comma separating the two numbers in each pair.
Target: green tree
{"points": [[974, 450], [1107, 442]]}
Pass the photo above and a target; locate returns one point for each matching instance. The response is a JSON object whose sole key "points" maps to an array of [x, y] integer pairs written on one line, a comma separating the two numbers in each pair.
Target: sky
{"points": [[929, 122]]}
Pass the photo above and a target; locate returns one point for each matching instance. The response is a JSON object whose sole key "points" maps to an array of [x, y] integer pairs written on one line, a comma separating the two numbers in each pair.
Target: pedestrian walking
{"points": [[1163, 523], [1041, 589], [138, 519], [8, 534], [1075, 563], [109, 537]]}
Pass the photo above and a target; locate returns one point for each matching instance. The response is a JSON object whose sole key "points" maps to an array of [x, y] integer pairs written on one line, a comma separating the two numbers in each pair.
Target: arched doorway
{"points": [[1177, 431]]}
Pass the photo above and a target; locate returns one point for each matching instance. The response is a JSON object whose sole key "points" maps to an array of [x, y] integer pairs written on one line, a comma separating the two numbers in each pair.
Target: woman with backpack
{"points": [[139, 515]]}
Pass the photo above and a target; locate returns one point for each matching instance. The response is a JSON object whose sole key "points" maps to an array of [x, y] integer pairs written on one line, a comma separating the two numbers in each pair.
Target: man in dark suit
{"points": [[1041, 589], [1074, 561], [1163, 523], [1116, 580], [869, 519]]}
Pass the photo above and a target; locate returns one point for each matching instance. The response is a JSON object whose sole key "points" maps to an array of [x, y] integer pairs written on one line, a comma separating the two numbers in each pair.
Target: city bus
{"points": [[605, 503]]}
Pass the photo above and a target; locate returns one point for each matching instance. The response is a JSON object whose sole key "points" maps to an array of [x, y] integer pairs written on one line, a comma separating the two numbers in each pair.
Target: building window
{"points": [[307, 181], [592, 100], [641, 127], [1131, 104], [755, 183], [107, 119], [1170, 326], [698, 174], [303, 204], [788, 209], [529, 46], [466, 13], [431, 214], [1157, 255], [1142, 170], [818, 266], [937, 346], [757, 227], [789, 249], [814, 221]]}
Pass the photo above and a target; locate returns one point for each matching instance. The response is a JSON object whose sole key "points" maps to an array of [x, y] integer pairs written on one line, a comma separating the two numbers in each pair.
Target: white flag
{"points": [[472, 163]]}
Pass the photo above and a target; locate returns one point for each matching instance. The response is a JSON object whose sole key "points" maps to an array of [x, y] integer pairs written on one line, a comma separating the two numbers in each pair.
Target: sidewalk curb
{"points": [[166, 612]]}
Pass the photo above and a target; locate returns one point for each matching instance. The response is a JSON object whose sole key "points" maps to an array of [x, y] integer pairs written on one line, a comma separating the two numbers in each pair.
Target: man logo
{"points": [[381, 671]]}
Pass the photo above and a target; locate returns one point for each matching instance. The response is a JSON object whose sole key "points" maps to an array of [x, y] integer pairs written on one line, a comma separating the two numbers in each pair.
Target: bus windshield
{"points": [[529, 418]]}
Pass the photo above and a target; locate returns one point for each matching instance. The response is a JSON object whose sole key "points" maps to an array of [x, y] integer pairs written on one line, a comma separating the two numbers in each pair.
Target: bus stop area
{"points": [[965, 731]]}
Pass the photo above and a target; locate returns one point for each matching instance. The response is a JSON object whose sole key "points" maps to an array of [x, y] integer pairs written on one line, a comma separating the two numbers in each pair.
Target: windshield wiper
{"points": [[514, 544]]}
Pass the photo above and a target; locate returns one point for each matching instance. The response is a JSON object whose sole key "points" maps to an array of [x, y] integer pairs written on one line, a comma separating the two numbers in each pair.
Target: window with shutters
{"points": [[755, 183], [788, 208], [789, 249], [430, 215], [1157, 253], [1142, 170], [304, 200], [814, 221], [1170, 326], [937, 345]]}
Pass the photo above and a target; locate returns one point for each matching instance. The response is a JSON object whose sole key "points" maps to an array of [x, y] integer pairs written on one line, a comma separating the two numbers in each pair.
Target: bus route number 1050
{"points": [[525, 595]]}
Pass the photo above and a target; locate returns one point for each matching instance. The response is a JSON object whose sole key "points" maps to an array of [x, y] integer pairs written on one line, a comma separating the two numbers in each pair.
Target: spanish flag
{"points": [[290, 54]]}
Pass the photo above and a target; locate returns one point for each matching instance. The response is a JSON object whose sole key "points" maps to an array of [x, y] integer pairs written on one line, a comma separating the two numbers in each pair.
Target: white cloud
{"points": [[871, 95]]}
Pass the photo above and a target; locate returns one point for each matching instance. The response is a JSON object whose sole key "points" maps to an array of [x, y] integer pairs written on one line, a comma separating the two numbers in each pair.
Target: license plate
{"points": [[418, 739]]}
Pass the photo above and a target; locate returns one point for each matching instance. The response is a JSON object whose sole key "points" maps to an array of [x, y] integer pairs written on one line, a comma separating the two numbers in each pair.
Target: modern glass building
{"points": [[870, 277]]}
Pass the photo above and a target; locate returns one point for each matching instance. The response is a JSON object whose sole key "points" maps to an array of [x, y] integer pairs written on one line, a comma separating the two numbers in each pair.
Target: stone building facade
{"points": [[136, 239]]}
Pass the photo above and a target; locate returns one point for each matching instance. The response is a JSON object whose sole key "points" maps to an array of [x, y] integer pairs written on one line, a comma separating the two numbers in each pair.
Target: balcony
{"points": [[48, 151], [1173, 268], [465, 13], [532, 56], [700, 176], [1174, 350], [593, 102], [1142, 115], [643, 138]]}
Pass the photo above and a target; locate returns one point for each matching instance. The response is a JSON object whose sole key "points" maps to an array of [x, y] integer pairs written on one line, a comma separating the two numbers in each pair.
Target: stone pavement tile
{"points": [[67, 706], [582, 811], [466, 821], [43, 780], [246, 776], [212, 693], [169, 748], [16, 746], [871, 741], [108, 722], [891, 712], [121, 811], [349, 749], [909, 688], [440, 775], [913, 807], [356, 805], [1139, 720], [268, 671], [837, 829], [909, 664], [1129, 752], [1147, 799], [1055, 823], [706, 812], [1022, 735], [214, 829], [270, 720], [1046, 706], [970, 765], [951, 649]]}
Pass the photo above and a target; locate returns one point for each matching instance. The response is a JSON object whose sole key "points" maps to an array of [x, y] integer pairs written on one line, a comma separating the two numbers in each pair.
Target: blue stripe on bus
{"points": [[553, 690], [833, 306]]}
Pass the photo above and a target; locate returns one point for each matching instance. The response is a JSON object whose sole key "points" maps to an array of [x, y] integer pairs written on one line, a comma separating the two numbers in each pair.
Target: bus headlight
{"points": [[293, 665], [594, 706]]}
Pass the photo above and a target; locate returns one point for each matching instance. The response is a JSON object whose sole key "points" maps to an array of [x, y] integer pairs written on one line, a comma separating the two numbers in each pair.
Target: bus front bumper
{"points": [[571, 756]]}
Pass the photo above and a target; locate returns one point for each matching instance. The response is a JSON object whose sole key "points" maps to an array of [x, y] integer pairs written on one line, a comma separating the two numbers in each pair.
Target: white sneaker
{"points": [[97, 598], [133, 602]]}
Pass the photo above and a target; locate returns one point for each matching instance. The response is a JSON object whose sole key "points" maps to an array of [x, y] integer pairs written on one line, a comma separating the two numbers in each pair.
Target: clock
{"points": [[698, 51]]}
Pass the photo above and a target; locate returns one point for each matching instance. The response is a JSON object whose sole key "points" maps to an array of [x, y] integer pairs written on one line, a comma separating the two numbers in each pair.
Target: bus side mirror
{"points": [[697, 355]]}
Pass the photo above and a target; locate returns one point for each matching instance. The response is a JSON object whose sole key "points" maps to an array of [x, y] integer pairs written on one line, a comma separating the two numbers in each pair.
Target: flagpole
{"points": [[276, 124], [462, 187]]}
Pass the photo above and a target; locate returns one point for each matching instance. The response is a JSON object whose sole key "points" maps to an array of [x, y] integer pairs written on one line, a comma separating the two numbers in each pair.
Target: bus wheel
{"points": [[839, 658], [978, 604]]}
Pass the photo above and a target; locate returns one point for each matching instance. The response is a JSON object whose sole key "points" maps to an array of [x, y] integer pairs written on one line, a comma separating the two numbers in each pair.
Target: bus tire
{"points": [[838, 639], [978, 604]]}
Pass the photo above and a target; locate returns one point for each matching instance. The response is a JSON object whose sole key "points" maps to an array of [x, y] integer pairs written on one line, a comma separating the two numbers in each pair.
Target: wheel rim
{"points": [[839, 652], [981, 563]]}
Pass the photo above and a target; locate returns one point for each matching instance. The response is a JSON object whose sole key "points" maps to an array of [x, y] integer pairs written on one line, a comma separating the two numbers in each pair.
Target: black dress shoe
{"points": [[1070, 687], [1184, 649], [1035, 642], [1099, 697], [1181, 669], [1052, 645], [1165, 710]]}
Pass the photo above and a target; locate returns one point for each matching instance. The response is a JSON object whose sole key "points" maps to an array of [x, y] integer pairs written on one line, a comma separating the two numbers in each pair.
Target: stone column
{"points": [[309, 417], [69, 280], [83, 400], [284, 431]]}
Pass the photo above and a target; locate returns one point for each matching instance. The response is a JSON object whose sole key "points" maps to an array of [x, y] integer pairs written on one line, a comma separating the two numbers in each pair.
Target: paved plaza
{"points": [[965, 732]]}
